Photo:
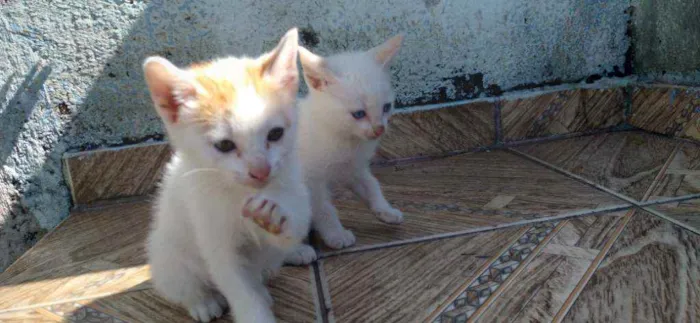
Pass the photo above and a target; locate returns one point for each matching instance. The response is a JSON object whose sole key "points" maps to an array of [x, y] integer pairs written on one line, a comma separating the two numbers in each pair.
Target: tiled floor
{"points": [[588, 229]]}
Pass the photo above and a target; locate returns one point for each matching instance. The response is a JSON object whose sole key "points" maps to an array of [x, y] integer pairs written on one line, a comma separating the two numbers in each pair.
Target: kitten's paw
{"points": [[339, 239], [209, 309], [302, 255], [390, 215], [266, 214]]}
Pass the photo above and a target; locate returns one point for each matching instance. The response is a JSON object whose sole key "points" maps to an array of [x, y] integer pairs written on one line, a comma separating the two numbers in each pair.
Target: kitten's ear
{"points": [[280, 65], [385, 53], [316, 72], [168, 86]]}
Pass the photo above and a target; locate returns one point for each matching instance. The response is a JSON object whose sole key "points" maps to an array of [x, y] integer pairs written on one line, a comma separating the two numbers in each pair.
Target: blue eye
{"points": [[387, 107], [359, 114]]}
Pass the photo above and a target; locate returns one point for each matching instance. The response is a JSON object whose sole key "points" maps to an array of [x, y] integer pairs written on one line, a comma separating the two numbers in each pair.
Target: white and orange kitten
{"points": [[341, 120], [233, 202]]}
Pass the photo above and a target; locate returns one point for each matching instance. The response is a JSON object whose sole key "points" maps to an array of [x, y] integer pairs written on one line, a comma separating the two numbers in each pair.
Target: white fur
{"points": [[203, 252], [335, 147]]}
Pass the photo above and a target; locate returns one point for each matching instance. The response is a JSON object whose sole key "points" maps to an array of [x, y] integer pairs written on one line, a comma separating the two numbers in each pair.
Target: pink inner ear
{"points": [[316, 82]]}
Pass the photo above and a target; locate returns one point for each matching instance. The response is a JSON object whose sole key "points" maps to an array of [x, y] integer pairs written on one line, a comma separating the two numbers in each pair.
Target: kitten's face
{"points": [[367, 104], [361, 82], [235, 116]]}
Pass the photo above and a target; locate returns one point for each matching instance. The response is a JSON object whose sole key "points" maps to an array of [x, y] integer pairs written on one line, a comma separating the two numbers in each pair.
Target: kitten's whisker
{"points": [[200, 170]]}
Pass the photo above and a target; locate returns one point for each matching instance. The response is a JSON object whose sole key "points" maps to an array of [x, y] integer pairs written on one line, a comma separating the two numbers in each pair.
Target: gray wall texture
{"points": [[667, 40], [70, 76]]}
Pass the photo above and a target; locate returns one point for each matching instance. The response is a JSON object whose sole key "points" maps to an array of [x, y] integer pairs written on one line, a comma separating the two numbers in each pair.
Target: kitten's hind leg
{"points": [[366, 186], [302, 255]]}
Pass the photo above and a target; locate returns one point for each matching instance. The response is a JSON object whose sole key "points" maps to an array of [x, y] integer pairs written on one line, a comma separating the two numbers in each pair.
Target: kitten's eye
{"points": [[275, 134], [386, 107], [225, 146], [359, 114]]}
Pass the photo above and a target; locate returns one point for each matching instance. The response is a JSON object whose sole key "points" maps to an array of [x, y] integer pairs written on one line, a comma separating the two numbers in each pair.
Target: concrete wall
{"points": [[70, 76], [667, 40]]}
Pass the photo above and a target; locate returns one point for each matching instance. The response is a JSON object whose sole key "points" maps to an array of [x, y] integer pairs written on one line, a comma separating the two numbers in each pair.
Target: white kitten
{"points": [[341, 120], [233, 202]]}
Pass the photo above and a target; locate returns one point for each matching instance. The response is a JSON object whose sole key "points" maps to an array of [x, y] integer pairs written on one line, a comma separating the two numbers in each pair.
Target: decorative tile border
{"points": [[78, 313], [479, 291]]}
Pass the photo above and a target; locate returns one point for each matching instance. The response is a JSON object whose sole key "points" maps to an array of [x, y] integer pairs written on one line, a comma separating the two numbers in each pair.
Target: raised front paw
{"points": [[266, 214], [389, 215]]}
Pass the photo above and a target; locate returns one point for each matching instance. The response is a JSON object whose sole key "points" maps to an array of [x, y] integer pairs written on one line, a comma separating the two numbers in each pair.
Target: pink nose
{"points": [[378, 131], [260, 173]]}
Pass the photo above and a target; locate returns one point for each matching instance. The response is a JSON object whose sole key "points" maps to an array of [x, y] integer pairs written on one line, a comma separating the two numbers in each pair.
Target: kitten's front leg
{"points": [[243, 289], [325, 219], [366, 186]]}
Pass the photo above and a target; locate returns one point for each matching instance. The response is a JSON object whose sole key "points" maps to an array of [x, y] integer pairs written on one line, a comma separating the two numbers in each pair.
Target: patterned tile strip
{"points": [[78, 313], [476, 294]]}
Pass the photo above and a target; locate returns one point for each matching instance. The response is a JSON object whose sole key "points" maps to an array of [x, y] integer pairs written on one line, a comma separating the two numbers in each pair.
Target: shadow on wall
{"points": [[17, 226]]}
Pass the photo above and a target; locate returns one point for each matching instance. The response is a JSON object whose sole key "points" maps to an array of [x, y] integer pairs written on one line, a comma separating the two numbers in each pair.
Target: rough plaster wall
{"points": [[667, 40], [72, 80]]}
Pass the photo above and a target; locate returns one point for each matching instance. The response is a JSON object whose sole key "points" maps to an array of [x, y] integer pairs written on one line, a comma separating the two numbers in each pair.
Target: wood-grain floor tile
{"points": [[683, 174], [687, 212], [561, 112], [292, 290], [667, 110], [537, 294], [408, 283], [37, 315], [626, 162], [92, 253], [650, 274], [114, 173], [475, 190], [439, 131]]}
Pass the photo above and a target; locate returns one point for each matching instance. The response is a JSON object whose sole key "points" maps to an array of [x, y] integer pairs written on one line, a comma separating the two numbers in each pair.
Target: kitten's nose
{"points": [[378, 131], [260, 173]]}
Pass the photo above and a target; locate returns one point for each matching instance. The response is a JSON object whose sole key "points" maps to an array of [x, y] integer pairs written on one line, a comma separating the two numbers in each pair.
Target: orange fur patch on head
{"points": [[256, 70], [218, 95], [219, 89]]}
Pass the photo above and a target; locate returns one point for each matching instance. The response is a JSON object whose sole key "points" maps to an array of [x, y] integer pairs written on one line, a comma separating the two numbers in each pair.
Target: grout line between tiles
{"points": [[573, 296], [666, 136], [323, 299], [513, 276], [574, 176], [672, 220], [670, 200], [447, 235], [482, 269], [498, 123]]}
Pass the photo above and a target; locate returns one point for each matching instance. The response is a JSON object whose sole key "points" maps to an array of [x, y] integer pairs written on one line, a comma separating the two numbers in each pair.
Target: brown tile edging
{"points": [[573, 296], [416, 132], [666, 109], [114, 172]]}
